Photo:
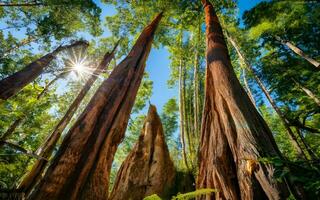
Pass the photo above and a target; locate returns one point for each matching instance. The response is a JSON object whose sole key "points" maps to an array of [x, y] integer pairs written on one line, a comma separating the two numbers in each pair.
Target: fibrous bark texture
{"points": [[148, 168], [233, 136], [48, 146], [81, 167], [13, 84]]}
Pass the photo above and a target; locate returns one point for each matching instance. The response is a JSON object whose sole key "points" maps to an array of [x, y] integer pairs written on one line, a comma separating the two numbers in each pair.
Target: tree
{"points": [[14, 83], [298, 51], [48, 146], [234, 135], [278, 66], [148, 168], [82, 164], [285, 121]]}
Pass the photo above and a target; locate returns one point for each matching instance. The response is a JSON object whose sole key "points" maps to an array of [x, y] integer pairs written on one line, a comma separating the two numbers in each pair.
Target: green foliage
{"points": [[169, 117], [186, 196], [144, 94], [300, 172], [152, 197], [181, 32], [192, 195]]}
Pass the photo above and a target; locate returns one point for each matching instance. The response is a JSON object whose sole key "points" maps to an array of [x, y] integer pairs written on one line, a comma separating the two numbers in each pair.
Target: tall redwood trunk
{"points": [[13, 84], [48, 146], [81, 167], [234, 136], [148, 168], [299, 52]]}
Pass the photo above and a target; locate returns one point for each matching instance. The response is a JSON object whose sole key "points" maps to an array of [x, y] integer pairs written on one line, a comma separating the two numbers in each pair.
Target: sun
{"points": [[79, 67]]}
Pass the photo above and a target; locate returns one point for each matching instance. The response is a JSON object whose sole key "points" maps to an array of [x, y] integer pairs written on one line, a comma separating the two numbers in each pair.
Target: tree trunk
{"points": [[46, 88], [196, 108], [22, 43], [13, 84], [148, 168], [308, 92], [196, 99], [299, 52], [10, 130], [81, 167], [306, 145], [19, 120], [234, 135], [181, 111], [21, 149], [45, 151], [284, 120], [246, 85]]}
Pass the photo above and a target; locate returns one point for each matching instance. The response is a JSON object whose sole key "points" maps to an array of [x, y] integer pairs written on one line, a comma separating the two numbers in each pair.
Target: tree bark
{"points": [[81, 167], [13, 84], [234, 135], [284, 120], [308, 92], [299, 52], [148, 168], [45, 151]]}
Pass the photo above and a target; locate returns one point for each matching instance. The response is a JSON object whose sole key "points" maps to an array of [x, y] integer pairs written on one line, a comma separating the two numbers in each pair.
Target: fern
{"points": [[192, 195], [186, 196], [152, 197]]}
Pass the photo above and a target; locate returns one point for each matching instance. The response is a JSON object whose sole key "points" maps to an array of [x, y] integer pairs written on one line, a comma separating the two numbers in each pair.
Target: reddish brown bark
{"points": [[148, 168], [48, 146], [13, 84], [81, 167], [233, 136]]}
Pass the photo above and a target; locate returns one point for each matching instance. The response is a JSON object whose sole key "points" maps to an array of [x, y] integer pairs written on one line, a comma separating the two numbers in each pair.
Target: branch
{"points": [[21, 4], [23, 150], [298, 124]]}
